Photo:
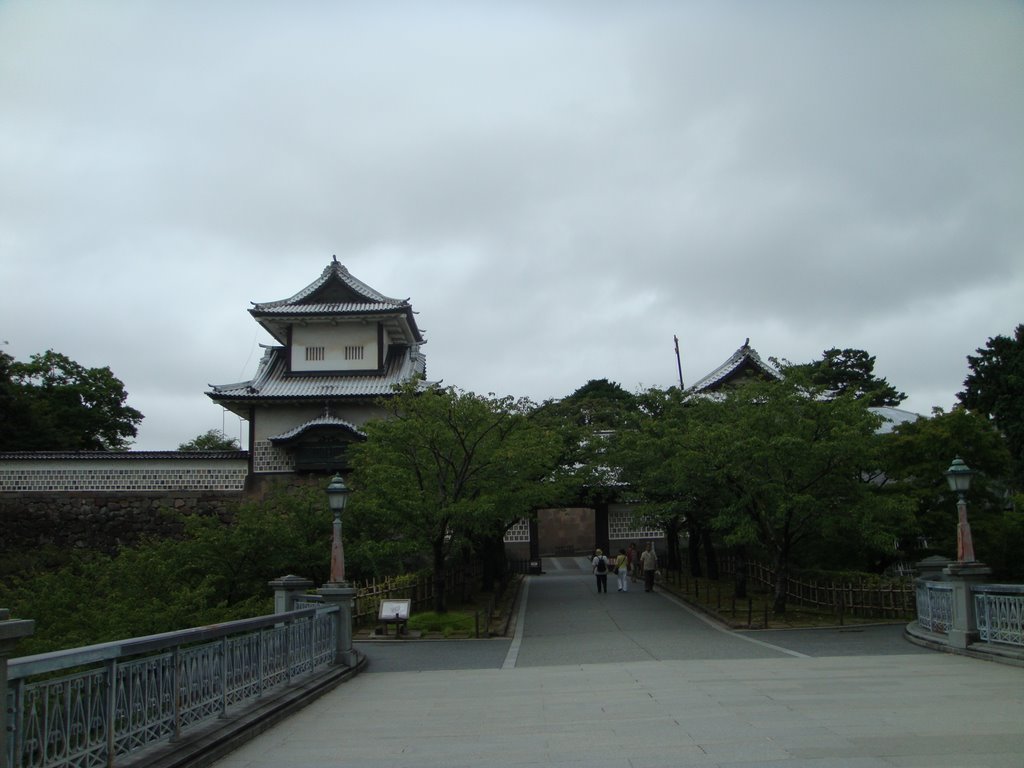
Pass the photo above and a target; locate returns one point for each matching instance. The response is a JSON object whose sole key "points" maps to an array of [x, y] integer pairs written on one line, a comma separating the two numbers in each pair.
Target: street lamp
{"points": [[959, 478], [337, 497]]}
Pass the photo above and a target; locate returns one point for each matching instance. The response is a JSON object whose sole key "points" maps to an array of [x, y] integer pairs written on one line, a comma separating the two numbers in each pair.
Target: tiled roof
{"points": [[320, 421], [893, 417], [119, 455], [274, 382], [328, 308], [334, 270], [744, 356], [336, 293]]}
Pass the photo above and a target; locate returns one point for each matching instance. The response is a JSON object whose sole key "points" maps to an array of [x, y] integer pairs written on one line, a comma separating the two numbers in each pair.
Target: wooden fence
{"points": [[421, 590], [892, 600]]}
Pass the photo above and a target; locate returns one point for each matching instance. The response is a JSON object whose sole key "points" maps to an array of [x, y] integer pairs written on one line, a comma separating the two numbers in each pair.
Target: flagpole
{"points": [[679, 362]]}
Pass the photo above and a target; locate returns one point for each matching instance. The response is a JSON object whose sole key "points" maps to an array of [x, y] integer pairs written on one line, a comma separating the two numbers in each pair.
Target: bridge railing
{"points": [[92, 707], [999, 610], [935, 606]]}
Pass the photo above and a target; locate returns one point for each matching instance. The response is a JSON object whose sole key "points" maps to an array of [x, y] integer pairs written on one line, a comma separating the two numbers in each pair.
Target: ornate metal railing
{"points": [[999, 611], [89, 707], [935, 606]]}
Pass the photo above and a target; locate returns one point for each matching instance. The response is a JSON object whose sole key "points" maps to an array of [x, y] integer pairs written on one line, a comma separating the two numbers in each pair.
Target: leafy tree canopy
{"points": [[52, 403], [995, 388], [211, 440], [449, 469], [915, 456], [770, 465], [847, 372]]}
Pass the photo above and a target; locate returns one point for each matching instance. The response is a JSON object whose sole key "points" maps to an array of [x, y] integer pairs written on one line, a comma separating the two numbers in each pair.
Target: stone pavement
{"points": [[638, 679]]}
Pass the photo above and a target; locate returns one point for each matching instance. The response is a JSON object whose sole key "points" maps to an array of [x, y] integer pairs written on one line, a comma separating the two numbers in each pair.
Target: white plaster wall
{"points": [[334, 339], [123, 475]]}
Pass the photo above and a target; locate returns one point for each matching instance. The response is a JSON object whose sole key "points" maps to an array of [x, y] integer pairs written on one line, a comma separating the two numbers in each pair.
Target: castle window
{"points": [[314, 353], [355, 352]]}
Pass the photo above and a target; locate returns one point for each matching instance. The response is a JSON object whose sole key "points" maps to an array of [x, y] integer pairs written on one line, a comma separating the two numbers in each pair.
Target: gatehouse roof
{"points": [[320, 422], [273, 382], [336, 294]]}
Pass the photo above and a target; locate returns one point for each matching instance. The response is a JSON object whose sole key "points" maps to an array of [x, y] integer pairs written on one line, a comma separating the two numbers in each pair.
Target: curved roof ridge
{"points": [[334, 270], [744, 354], [324, 420]]}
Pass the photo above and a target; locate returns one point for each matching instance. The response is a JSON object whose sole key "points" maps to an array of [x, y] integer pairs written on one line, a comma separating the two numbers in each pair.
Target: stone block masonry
{"points": [[101, 500], [100, 521]]}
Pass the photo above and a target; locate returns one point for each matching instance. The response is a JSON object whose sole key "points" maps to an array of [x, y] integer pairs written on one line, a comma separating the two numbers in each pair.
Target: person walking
{"points": [[631, 560], [649, 563], [622, 569], [600, 566]]}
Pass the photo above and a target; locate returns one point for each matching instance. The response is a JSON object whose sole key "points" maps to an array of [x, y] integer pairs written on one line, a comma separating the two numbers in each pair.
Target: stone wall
{"points": [[100, 500], [99, 520]]}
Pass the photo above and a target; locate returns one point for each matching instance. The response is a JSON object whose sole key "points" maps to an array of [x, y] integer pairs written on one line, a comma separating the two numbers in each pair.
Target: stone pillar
{"points": [[286, 590], [343, 596], [931, 568], [11, 631], [965, 624]]}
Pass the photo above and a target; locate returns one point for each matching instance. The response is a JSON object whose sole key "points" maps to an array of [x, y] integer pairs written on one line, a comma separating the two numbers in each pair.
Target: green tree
{"points": [[846, 372], [662, 459], [52, 403], [586, 423], [215, 572], [915, 456], [211, 440], [995, 388], [449, 469], [790, 465]]}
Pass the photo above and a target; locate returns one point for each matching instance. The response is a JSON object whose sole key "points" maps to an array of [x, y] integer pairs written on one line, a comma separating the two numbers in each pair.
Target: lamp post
{"points": [[338, 591], [337, 497], [959, 478], [966, 571]]}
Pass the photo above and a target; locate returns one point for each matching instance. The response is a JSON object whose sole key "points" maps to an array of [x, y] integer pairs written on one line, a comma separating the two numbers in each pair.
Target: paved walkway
{"points": [[638, 679]]}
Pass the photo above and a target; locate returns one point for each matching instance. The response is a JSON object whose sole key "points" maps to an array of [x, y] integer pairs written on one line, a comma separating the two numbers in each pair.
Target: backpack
{"points": [[602, 564]]}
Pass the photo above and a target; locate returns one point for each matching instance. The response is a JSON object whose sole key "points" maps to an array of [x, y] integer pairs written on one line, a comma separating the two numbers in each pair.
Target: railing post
{"points": [[962, 576], [286, 590], [11, 631], [343, 596]]}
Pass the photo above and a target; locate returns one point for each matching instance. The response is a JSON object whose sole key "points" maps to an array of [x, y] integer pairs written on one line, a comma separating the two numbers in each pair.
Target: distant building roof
{"points": [[893, 417], [744, 362]]}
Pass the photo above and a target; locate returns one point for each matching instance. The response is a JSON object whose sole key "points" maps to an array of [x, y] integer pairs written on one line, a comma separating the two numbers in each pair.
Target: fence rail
{"points": [[92, 707], [892, 600], [420, 589]]}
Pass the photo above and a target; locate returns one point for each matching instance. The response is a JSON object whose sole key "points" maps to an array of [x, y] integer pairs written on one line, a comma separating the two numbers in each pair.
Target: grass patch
{"points": [[450, 624]]}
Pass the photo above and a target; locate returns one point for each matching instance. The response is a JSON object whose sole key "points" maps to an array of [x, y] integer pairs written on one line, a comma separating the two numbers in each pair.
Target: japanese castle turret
{"points": [[342, 346]]}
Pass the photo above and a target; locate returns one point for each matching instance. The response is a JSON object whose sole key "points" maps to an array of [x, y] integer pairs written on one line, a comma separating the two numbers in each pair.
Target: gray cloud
{"points": [[558, 187]]}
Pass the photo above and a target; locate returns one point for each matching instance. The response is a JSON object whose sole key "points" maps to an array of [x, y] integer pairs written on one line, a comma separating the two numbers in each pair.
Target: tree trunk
{"points": [[672, 528], [710, 556], [740, 590], [781, 584], [440, 604], [693, 549], [492, 561]]}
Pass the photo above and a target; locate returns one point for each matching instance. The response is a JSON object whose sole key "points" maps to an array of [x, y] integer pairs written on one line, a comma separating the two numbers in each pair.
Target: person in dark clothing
{"points": [[600, 566]]}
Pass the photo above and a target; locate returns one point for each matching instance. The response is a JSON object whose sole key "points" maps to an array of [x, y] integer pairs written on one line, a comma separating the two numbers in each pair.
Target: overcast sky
{"points": [[558, 187]]}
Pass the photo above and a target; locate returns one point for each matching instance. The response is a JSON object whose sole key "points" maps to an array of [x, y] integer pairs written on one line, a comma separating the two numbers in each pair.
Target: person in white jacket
{"points": [[649, 563]]}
